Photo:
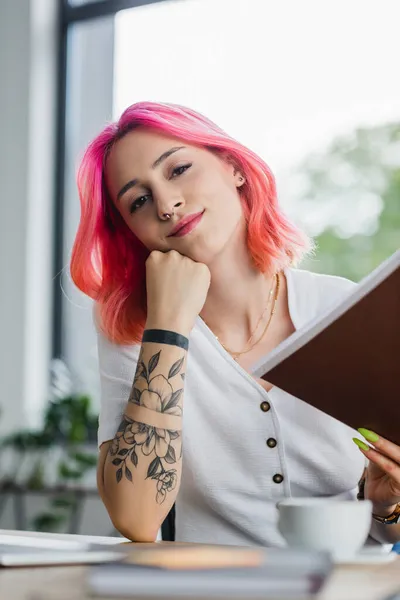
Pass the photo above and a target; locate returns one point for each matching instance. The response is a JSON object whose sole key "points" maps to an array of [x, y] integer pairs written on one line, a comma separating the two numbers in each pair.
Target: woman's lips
{"points": [[186, 225]]}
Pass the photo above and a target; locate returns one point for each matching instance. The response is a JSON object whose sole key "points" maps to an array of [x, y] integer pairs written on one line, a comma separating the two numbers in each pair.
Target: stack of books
{"points": [[203, 571]]}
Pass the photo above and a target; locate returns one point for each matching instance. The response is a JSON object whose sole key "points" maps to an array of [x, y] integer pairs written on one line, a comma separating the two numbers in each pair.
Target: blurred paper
{"points": [[20, 550]]}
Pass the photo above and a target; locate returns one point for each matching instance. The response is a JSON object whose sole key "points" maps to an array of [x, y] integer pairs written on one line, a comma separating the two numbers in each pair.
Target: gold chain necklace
{"points": [[235, 355]]}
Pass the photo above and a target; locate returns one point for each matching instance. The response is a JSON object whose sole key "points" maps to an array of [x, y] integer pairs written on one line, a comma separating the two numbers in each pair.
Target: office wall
{"points": [[28, 53]]}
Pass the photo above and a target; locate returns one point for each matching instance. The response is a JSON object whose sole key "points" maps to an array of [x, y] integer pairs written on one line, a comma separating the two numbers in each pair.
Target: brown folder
{"points": [[347, 363]]}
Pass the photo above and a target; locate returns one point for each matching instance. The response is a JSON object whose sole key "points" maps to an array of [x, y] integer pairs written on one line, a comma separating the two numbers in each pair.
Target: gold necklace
{"points": [[235, 355]]}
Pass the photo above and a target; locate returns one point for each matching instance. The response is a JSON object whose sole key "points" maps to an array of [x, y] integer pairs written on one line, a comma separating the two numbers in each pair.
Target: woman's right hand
{"points": [[177, 289]]}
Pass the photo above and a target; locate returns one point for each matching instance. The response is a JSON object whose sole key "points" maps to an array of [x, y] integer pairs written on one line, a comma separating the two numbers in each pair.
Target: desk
{"points": [[372, 582]]}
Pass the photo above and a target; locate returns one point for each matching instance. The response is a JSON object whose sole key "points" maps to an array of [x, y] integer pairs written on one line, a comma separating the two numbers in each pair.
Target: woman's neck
{"points": [[237, 297]]}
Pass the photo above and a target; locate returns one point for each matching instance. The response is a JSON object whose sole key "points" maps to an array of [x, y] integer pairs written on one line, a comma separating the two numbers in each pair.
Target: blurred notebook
{"points": [[347, 362], [21, 550], [204, 571]]}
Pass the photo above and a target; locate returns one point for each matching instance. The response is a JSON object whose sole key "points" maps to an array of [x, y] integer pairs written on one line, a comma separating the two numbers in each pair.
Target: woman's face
{"points": [[151, 176]]}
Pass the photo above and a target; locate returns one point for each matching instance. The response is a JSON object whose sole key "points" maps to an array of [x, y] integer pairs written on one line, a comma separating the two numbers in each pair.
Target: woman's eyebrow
{"points": [[155, 164]]}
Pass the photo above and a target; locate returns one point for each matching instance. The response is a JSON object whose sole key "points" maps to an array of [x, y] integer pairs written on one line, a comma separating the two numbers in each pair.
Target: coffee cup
{"points": [[339, 527]]}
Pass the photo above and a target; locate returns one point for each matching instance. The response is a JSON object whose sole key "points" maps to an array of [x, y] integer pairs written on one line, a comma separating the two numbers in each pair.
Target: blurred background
{"points": [[311, 86]]}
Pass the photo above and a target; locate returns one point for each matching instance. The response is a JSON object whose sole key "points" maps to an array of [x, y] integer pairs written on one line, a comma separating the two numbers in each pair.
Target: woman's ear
{"points": [[239, 178]]}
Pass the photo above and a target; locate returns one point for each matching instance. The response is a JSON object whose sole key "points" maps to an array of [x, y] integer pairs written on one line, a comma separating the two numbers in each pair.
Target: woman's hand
{"points": [[382, 484], [176, 291]]}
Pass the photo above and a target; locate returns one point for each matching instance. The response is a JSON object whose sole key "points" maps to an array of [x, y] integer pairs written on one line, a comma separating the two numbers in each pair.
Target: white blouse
{"points": [[244, 449]]}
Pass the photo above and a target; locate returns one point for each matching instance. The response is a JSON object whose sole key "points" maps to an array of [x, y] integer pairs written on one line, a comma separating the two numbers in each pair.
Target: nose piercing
{"points": [[167, 216]]}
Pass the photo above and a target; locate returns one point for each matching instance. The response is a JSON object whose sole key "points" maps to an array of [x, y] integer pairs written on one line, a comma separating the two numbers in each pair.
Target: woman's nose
{"points": [[166, 210]]}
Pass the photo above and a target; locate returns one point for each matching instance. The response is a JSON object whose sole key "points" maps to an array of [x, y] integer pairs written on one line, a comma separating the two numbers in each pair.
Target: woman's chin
{"points": [[203, 248]]}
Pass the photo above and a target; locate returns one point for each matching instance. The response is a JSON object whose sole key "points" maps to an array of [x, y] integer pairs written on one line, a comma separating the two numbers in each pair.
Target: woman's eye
{"points": [[179, 170], [137, 204]]}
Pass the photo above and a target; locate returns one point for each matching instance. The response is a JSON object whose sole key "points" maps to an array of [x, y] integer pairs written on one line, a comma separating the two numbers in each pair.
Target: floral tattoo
{"points": [[154, 393]]}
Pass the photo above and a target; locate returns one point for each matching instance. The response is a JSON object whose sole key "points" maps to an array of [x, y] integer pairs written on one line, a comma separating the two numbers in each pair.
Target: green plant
{"points": [[68, 424]]}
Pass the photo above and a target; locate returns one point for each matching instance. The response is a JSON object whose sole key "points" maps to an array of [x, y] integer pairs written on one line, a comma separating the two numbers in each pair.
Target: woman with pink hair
{"points": [[191, 263]]}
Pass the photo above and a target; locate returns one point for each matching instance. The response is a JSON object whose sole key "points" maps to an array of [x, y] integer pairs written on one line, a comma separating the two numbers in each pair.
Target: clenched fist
{"points": [[176, 291]]}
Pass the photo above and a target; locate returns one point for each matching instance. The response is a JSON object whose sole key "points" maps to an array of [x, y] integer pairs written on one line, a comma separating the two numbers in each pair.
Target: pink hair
{"points": [[108, 261]]}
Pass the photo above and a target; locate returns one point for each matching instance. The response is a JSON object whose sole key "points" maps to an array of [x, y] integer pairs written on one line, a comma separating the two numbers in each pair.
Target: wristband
{"points": [[163, 336]]}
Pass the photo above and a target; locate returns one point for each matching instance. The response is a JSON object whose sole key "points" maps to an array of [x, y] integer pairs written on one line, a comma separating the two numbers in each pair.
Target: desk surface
{"points": [[356, 582]]}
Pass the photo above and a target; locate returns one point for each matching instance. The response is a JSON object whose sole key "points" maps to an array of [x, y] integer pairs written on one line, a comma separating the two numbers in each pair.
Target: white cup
{"points": [[339, 527]]}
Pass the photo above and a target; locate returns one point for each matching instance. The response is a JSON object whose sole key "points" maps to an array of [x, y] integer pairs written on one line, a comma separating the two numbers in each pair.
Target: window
{"points": [[86, 103], [309, 86]]}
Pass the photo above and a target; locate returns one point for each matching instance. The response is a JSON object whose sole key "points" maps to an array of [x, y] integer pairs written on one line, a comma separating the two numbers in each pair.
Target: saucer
{"points": [[367, 557]]}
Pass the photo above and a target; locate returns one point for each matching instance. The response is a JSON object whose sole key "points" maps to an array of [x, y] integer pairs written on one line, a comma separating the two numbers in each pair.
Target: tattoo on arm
{"points": [[134, 438]]}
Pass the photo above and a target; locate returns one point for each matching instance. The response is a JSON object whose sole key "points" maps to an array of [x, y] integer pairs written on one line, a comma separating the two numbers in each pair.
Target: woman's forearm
{"points": [[142, 469], [385, 534]]}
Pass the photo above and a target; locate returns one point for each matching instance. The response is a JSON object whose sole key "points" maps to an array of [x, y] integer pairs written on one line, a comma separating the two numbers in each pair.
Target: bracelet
{"points": [[391, 519], [163, 336]]}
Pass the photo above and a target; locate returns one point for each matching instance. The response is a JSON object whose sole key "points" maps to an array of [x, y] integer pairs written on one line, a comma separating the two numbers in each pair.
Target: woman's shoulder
{"points": [[312, 293], [331, 284]]}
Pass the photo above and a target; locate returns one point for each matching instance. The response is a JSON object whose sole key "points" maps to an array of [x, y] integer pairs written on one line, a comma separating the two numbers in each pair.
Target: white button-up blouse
{"points": [[244, 449]]}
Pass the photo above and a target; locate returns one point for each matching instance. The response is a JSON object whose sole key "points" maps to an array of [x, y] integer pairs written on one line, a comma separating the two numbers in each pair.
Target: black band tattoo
{"points": [[163, 336], [132, 438]]}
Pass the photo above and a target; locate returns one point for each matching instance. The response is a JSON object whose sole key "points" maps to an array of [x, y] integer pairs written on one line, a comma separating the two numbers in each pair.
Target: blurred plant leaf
{"points": [[36, 480], [66, 472], [48, 522], [66, 501], [86, 460]]}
